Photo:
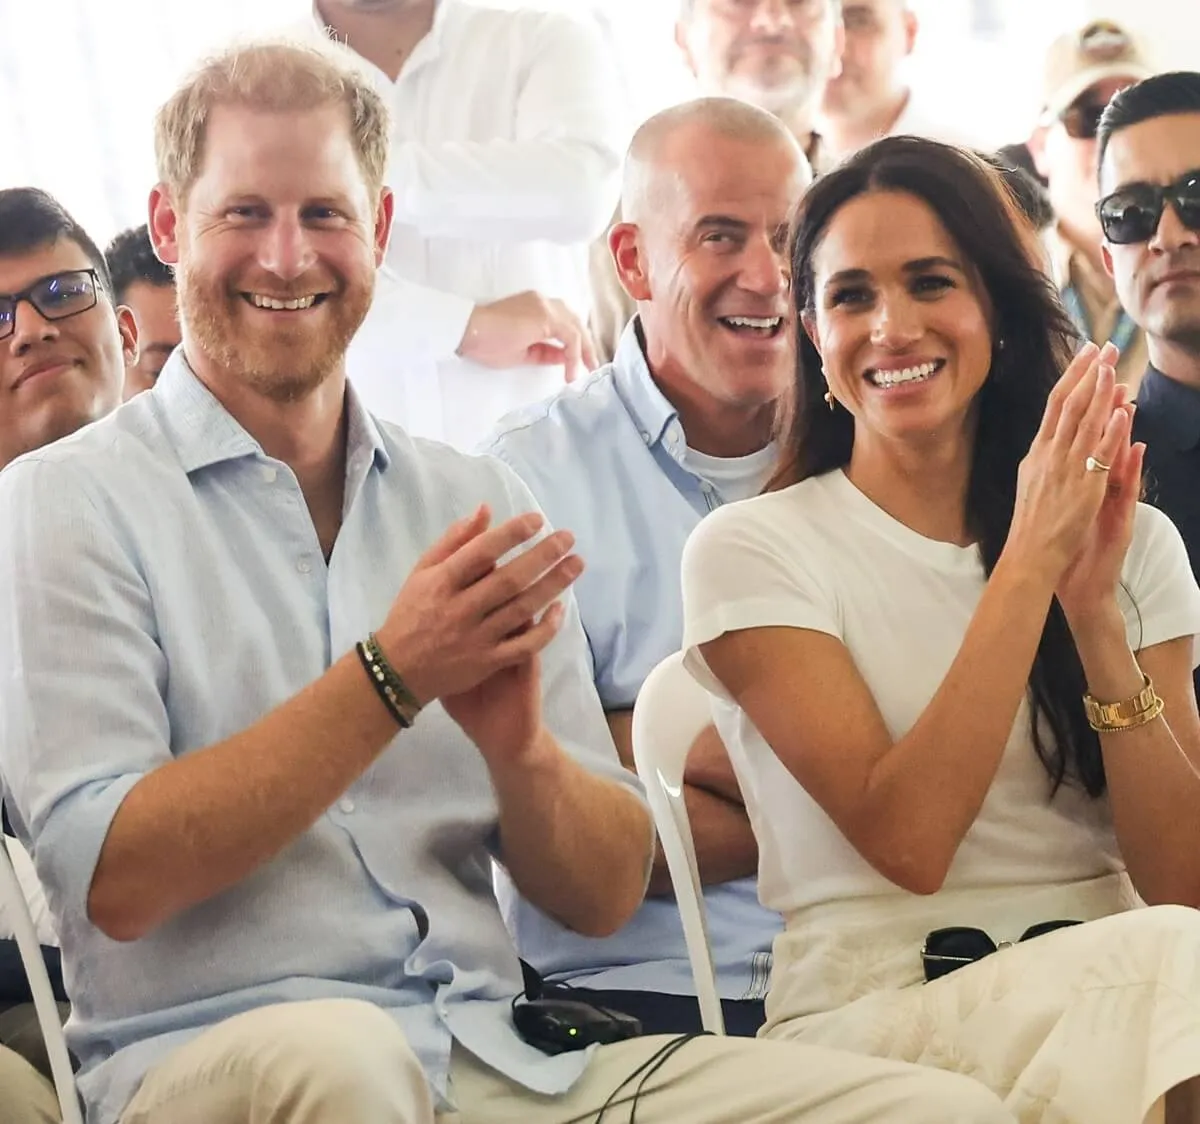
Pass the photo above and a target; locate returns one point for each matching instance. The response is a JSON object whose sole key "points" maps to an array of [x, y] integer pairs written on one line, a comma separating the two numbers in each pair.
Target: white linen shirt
{"points": [[508, 129], [162, 588]]}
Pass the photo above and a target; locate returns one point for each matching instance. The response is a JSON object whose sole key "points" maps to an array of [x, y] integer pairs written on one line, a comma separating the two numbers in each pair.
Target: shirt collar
{"points": [[1171, 407], [424, 52], [647, 405], [204, 433]]}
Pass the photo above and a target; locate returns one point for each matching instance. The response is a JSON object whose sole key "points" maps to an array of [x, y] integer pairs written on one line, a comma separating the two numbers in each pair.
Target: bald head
{"points": [[702, 247], [673, 140]]}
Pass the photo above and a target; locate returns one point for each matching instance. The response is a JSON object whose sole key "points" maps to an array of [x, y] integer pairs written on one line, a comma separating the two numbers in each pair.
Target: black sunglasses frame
{"points": [[942, 963], [1153, 199], [27, 294]]}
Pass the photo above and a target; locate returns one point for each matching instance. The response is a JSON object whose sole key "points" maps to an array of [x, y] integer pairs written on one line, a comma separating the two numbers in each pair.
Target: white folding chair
{"points": [[39, 984], [670, 711]]}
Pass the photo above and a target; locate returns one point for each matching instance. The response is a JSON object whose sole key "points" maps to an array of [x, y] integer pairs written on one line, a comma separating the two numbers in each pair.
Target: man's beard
{"points": [[286, 363], [778, 92]]}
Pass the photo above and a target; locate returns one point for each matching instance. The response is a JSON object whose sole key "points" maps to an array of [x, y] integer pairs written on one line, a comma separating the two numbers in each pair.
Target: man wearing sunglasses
{"points": [[64, 344], [1083, 70], [1149, 211]]}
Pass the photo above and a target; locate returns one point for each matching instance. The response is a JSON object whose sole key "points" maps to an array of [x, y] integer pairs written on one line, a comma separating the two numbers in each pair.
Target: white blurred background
{"points": [[80, 79]]}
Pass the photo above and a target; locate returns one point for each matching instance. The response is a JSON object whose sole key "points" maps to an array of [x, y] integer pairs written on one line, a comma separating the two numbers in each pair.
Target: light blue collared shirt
{"points": [[162, 588], [605, 459]]}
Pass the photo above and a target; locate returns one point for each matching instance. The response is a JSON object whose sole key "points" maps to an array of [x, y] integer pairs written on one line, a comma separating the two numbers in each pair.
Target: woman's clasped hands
{"points": [[1078, 486]]}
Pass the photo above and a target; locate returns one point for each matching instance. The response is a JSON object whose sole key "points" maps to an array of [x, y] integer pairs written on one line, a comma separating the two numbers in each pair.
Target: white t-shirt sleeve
{"points": [[743, 568], [1161, 601]]}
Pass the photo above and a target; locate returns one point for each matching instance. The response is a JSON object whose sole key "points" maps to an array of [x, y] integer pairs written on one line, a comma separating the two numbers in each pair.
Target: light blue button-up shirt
{"points": [[161, 588], [605, 460]]}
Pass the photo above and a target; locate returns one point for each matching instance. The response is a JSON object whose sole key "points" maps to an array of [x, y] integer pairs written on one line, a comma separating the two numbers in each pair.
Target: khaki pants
{"points": [[346, 1062], [26, 1097]]}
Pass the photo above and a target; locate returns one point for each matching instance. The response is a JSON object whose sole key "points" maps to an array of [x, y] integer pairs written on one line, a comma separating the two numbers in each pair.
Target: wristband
{"points": [[402, 704]]}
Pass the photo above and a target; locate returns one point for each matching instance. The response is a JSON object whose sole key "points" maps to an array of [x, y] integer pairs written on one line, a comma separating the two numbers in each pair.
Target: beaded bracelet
{"points": [[402, 704]]}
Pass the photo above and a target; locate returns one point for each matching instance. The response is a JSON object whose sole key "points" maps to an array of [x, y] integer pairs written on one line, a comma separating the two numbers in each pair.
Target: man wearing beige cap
{"points": [[1084, 69]]}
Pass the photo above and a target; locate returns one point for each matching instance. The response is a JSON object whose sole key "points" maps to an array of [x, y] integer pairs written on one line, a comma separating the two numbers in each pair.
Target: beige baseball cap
{"points": [[1093, 53]]}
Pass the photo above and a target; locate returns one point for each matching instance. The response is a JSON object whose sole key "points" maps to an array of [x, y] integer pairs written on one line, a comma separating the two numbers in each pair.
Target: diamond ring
{"points": [[1093, 465]]}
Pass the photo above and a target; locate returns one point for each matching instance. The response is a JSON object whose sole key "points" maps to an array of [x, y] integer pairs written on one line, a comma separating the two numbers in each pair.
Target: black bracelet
{"points": [[402, 704]]}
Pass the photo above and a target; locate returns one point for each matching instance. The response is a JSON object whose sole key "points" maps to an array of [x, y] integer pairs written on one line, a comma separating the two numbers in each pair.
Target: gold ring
{"points": [[1093, 465]]}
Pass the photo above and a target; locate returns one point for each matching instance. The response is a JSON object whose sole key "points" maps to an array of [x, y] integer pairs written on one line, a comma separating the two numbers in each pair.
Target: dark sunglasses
{"points": [[947, 950], [1132, 213], [55, 296], [1082, 121]]}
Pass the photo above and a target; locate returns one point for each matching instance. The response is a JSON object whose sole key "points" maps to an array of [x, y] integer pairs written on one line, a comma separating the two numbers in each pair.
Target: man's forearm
{"points": [[204, 822], [721, 833], [577, 846], [725, 845]]}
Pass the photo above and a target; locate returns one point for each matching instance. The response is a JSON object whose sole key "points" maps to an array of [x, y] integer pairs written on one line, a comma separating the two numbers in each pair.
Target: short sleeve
{"points": [[1161, 599], [747, 566]]}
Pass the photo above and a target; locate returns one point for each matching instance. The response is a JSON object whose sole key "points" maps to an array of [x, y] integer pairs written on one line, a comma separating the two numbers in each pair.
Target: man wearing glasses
{"points": [[1083, 70], [64, 351], [64, 346], [1150, 214]]}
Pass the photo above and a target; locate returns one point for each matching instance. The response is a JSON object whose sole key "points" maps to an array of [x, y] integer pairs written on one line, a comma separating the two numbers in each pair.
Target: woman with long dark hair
{"points": [[951, 657]]}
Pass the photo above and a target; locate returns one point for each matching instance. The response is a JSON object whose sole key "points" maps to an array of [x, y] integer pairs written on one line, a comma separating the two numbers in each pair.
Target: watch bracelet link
{"points": [[1129, 714]]}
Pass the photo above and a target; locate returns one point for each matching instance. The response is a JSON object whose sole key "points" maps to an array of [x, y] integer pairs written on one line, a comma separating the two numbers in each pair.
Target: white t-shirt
{"points": [[735, 478], [821, 556]]}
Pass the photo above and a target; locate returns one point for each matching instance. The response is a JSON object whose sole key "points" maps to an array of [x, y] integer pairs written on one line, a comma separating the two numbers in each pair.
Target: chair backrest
{"points": [[670, 711], [39, 985]]}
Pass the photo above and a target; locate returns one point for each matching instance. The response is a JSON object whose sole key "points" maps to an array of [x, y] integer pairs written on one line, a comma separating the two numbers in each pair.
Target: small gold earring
{"points": [[829, 400]]}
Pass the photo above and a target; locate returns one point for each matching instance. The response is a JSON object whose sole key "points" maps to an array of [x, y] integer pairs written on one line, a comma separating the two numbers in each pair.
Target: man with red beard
{"points": [[279, 683]]}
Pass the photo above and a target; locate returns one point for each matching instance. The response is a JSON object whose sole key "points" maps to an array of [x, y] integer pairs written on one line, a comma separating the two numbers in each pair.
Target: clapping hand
{"points": [[467, 627], [1090, 582], [1076, 487]]}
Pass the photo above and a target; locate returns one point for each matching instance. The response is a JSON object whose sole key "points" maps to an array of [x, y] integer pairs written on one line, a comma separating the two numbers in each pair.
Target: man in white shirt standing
{"points": [[506, 146], [870, 98]]}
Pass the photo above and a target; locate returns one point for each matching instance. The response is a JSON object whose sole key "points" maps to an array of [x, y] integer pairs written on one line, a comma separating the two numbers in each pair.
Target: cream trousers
{"points": [[347, 1062], [1093, 1024], [26, 1097]]}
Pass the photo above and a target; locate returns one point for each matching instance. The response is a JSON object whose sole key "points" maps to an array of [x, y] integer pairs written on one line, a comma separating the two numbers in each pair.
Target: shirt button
{"points": [[645, 437], [304, 566], [346, 805], [270, 473]]}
